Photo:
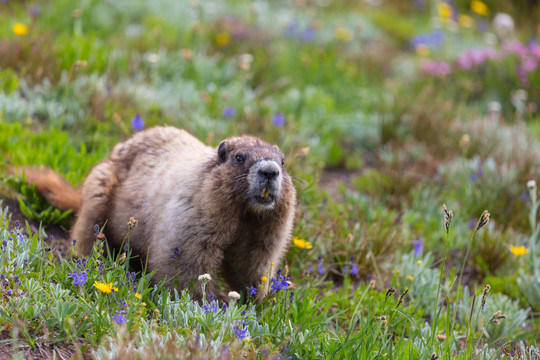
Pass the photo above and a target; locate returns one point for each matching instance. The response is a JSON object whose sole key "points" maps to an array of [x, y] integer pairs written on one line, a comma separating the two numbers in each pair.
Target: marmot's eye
{"points": [[239, 159], [282, 162]]}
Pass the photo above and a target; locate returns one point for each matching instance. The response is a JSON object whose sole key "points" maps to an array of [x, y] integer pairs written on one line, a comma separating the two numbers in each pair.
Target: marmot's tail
{"points": [[54, 188]]}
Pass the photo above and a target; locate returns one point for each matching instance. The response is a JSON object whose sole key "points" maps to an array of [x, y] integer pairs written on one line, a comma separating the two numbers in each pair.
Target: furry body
{"points": [[200, 210]]}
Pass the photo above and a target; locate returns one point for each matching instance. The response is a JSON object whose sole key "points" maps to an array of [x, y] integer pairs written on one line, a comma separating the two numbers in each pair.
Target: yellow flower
{"points": [[445, 10], [479, 7], [223, 38], [343, 34], [20, 29], [465, 21], [422, 49], [301, 243], [264, 279], [138, 296], [396, 271], [410, 277], [519, 250], [105, 288], [419, 262]]}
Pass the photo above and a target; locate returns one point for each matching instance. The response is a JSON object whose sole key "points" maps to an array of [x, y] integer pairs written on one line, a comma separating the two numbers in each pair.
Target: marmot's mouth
{"points": [[266, 197]]}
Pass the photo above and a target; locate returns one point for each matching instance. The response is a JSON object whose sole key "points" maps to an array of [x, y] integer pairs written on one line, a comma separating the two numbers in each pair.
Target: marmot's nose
{"points": [[268, 173]]}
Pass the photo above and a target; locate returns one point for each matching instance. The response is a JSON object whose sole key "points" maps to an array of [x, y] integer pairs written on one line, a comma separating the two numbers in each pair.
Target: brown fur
{"points": [[189, 196]]}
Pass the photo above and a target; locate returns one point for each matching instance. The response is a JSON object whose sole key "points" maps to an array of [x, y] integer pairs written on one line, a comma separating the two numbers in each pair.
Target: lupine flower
{"points": [[79, 279], [176, 252], [228, 111], [119, 318], [418, 246], [242, 334], [320, 268], [278, 120], [137, 123], [280, 282]]}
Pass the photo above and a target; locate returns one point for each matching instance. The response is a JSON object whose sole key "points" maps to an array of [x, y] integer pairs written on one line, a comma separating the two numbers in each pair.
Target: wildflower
{"points": [[244, 61], [119, 318], [228, 111], [419, 262], [223, 38], [444, 10], [422, 49], [301, 243], [320, 268], [519, 250], [80, 63], [137, 295], [343, 34], [465, 21], [280, 282], [503, 25], [479, 7], [19, 29], [484, 220], [271, 263], [531, 184], [278, 120], [152, 58], [354, 268], [79, 279], [441, 337], [176, 252], [212, 308], [105, 288], [251, 290], [242, 334], [372, 283], [204, 278], [132, 223], [264, 279], [448, 216], [187, 54], [418, 246], [137, 123], [396, 271], [484, 295], [410, 277], [435, 68], [234, 295]]}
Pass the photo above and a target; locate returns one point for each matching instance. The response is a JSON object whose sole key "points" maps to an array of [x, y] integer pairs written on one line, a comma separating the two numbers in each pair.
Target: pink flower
{"points": [[535, 50], [515, 47], [435, 68]]}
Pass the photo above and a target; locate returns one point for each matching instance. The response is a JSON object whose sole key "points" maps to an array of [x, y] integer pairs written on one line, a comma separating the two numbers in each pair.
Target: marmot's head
{"points": [[253, 170]]}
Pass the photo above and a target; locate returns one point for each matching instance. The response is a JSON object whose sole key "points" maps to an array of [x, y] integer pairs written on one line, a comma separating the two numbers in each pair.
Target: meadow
{"points": [[411, 129]]}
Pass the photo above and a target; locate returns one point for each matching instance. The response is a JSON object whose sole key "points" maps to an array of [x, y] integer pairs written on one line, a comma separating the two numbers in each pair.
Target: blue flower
{"points": [[280, 282], [418, 246], [119, 318], [278, 119], [176, 252], [308, 34], [137, 122], [320, 269], [242, 334], [251, 290], [79, 279], [434, 38], [228, 111]]}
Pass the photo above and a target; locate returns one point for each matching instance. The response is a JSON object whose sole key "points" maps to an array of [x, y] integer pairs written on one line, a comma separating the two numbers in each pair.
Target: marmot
{"points": [[200, 210]]}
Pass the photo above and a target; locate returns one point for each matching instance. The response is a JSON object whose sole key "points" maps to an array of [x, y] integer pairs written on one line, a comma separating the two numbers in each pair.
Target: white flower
{"points": [[503, 24], [204, 278], [234, 295], [531, 184]]}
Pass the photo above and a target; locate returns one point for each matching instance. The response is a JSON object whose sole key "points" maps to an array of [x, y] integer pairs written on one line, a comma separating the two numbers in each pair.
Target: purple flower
{"points": [[137, 122], [176, 252], [79, 279], [251, 290], [279, 282], [242, 334], [119, 318], [471, 224], [308, 34], [278, 119], [435, 68], [434, 38], [418, 246], [354, 268], [228, 111], [320, 269]]}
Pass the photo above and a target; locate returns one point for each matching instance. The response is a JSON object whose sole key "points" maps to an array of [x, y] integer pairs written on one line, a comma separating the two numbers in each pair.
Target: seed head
{"points": [[132, 222], [484, 295], [434, 356], [484, 220], [448, 216], [497, 317], [390, 291]]}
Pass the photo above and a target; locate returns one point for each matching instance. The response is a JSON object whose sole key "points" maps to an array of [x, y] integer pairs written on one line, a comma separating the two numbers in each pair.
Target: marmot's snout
{"points": [[265, 184]]}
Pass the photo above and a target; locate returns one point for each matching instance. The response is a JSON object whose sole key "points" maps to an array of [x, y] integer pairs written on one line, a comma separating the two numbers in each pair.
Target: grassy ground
{"points": [[386, 111]]}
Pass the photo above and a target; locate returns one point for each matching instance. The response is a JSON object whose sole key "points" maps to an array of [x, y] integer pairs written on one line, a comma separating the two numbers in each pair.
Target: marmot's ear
{"points": [[276, 147], [222, 151]]}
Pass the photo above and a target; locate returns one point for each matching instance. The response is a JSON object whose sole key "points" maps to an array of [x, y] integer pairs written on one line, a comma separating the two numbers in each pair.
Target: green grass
{"points": [[375, 146]]}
